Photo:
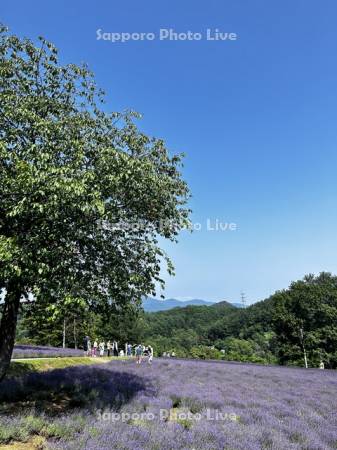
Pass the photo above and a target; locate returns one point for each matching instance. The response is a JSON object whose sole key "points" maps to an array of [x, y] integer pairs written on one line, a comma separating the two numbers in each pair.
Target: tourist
{"points": [[129, 350], [88, 347], [109, 347], [115, 348], [139, 354], [101, 348], [94, 349], [150, 349], [85, 345]]}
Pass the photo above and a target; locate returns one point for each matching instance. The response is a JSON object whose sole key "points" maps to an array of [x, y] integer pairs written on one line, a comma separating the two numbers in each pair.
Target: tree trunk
{"points": [[8, 326], [303, 348], [75, 334], [64, 334]]}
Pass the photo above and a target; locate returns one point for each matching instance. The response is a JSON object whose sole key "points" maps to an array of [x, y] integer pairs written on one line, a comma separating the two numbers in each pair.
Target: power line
{"points": [[243, 299]]}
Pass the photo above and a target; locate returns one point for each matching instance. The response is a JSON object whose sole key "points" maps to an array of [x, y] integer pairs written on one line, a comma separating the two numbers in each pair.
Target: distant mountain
{"points": [[151, 304], [225, 302], [154, 305]]}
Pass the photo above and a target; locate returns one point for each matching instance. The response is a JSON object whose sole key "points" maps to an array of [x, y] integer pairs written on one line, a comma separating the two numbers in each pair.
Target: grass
{"points": [[36, 443], [32, 433], [22, 367]]}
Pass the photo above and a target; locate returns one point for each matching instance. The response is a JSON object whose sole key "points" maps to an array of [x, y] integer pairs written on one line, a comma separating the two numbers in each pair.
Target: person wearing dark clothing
{"points": [[86, 345]]}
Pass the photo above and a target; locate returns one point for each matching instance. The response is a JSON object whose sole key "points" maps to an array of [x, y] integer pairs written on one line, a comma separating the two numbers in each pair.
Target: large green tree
{"points": [[305, 321], [84, 194]]}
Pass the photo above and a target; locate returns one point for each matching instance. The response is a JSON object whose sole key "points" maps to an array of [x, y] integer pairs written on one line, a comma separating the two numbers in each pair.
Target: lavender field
{"points": [[172, 405], [35, 351]]}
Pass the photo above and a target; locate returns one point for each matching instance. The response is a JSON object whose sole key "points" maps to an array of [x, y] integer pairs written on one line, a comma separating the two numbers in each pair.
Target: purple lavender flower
{"points": [[176, 405], [34, 351]]}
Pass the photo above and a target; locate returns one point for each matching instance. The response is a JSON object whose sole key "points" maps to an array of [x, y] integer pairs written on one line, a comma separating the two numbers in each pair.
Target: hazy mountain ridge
{"points": [[151, 304]]}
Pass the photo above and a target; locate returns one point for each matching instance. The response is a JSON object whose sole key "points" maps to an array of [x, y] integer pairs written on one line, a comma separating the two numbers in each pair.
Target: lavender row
{"points": [[32, 351]]}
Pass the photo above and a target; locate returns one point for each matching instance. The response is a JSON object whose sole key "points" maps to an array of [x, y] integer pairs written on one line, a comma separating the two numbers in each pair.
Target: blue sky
{"points": [[256, 118]]}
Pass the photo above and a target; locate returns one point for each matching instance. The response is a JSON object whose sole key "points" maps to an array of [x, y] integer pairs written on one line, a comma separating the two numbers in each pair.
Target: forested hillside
{"points": [[241, 334]]}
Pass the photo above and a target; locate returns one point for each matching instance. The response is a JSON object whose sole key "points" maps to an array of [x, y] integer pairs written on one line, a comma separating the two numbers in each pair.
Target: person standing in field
{"points": [[108, 346], [85, 345], [139, 354], [94, 349], [146, 352], [129, 350], [150, 352], [89, 347], [101, 348]]}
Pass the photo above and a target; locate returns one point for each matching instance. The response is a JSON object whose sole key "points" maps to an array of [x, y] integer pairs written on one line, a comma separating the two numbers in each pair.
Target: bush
{"points": [[246, 351], [203, 352]]}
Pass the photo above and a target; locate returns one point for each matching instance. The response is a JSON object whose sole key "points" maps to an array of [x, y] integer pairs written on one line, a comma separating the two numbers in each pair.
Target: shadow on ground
{"points": [[60, 390]]}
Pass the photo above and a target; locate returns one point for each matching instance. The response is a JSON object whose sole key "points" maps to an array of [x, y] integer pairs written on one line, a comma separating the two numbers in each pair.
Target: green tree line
{"points": [[293, 324]]}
